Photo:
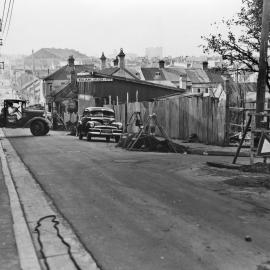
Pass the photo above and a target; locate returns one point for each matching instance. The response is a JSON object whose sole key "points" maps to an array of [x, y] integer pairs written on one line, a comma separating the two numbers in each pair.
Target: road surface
{"points": [[150, 211]]}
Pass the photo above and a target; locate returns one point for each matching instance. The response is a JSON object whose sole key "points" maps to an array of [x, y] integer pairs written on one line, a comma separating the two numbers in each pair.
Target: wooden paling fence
{"points": [[183, 116]]}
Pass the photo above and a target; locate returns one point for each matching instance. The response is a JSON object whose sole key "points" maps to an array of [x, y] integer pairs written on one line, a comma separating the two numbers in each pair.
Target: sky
{"points": [[94, 26]]}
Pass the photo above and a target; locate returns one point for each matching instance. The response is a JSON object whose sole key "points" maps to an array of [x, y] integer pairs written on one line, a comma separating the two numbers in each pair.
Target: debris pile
{"points": [[151, 143], [258, 167], [247, 181]]}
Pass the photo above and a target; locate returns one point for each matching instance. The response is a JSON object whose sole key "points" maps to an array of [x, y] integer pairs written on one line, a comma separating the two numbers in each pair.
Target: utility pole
{"points": [[262, 77], [2, 64]]}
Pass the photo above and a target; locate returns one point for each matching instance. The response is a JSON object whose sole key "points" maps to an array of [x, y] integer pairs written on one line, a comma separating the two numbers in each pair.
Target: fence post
{"points": [[126, 110], [227, 112]]}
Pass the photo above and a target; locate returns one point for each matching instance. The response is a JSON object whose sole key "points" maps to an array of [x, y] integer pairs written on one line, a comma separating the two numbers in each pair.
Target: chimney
{"points": [[115, 62], [71, 69], [183, 82], [121, 56], [103, 61], [71, 61], [161, 63], [205, 65]]}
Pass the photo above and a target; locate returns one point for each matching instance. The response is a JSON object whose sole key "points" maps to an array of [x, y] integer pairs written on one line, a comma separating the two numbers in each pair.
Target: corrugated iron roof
{"points": [[64, 93], [150, 74], [61, 73], [109, 71], [197, 76]]}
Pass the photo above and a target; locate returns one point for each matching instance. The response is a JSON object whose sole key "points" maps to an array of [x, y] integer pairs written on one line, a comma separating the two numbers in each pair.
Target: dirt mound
{"points": [[249, 182], [150, 143], [258, 167]]}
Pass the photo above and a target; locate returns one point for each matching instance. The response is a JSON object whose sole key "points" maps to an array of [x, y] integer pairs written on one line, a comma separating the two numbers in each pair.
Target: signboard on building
{"points": [[94, 80], [83, 73]]}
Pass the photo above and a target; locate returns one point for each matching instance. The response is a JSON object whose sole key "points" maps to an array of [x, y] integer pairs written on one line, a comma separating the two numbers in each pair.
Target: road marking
{"points": [[27, 254], [37, 205]]}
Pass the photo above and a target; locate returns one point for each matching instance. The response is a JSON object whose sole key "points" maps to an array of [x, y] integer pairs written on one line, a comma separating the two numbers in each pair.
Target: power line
{"points": [[4, 8], [7, 16], [10, 17]]}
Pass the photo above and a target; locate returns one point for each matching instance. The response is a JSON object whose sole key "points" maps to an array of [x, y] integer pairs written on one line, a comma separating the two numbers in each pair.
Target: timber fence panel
{"points": [[221, 122], [174, 117], [204, 122], [200, 122], [183, 116], [167, 124], [191, 116], [214, 120], [180, 119], [117, 113], [122, 113], [209, 101]]}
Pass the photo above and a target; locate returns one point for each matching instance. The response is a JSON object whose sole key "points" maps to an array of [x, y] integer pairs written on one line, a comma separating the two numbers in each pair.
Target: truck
{"points": [[15, 114]]}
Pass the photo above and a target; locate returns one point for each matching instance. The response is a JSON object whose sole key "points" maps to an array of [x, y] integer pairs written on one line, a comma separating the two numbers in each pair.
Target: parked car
{"points": [[99, 122]]}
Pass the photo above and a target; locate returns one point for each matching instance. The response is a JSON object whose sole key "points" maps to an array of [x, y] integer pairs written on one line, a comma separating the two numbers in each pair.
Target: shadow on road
{"points": [[97, 140]]}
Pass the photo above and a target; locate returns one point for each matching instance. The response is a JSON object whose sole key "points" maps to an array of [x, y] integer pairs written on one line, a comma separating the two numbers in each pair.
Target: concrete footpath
{"points": [[9, 259], [34, 235]]}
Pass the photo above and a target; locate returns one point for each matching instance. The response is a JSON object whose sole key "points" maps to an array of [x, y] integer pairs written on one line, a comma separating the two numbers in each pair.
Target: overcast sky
{"points": [[93, 26]]}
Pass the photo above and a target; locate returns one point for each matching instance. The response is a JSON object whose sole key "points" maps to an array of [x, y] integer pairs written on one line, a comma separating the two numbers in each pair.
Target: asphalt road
{"points": [[136, 210]]}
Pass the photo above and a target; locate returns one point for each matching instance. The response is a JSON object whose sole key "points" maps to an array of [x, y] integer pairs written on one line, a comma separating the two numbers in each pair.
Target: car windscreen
{"points": [[108, 114]]}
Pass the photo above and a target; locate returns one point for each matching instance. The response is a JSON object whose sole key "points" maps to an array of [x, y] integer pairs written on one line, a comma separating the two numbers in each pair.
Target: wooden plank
{"points": [[181, 118], [201, 119], [221, 122], [197, 115], [215, 121], [210, 120], [143, 109], [186, 118], [189, 116], [204, 122]]}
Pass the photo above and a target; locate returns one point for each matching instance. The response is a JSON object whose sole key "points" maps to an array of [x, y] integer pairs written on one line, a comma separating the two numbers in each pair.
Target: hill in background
{"points": [[53, 58]]}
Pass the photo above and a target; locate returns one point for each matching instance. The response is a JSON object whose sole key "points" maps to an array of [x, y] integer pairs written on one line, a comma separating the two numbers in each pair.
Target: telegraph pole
{"points": [[1, 44], [262, 77]]}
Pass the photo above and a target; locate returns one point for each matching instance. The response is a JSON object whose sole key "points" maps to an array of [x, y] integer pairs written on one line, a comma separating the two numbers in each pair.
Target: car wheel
{"points": [[89, 138], [108, 139], [47, 129], [38, 128]]}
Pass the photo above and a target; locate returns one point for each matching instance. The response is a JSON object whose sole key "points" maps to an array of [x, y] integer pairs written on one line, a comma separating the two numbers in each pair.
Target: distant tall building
{"points": [[154, 52]]}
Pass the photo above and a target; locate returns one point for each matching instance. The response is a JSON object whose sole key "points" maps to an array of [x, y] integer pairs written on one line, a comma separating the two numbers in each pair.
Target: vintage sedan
{"points": [[99, 122]]}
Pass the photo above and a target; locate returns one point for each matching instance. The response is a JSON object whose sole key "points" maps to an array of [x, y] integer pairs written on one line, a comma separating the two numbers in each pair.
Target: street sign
{"points": [[94, 80], [264, 146]]}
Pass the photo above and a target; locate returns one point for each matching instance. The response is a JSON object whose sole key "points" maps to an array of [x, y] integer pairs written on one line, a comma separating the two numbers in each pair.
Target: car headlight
{"points": [[120, 125], [91, 124]]}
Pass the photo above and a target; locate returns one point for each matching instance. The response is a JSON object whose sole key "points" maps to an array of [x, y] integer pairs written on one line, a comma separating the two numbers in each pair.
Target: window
{"points": [[157, 73], [99, 113], [206, 90], [199, 90]]}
